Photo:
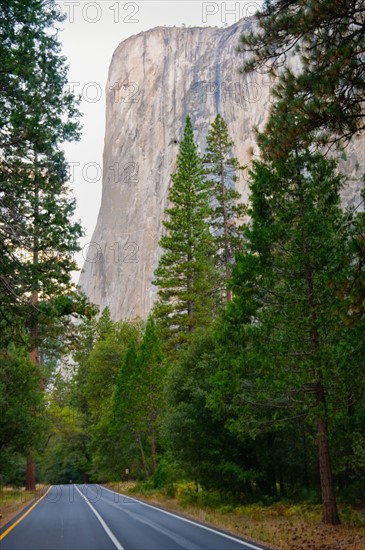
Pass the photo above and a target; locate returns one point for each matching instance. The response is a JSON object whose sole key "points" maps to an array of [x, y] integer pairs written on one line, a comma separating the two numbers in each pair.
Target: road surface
{"points": [[90, 517]]}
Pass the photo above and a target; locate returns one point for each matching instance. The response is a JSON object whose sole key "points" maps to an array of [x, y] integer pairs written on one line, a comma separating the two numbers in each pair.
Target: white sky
{"points": [[89, 37]]}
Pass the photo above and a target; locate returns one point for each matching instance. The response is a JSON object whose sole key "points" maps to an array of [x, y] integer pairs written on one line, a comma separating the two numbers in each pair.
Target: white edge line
{"points": [[247, 544], [111, 535]]}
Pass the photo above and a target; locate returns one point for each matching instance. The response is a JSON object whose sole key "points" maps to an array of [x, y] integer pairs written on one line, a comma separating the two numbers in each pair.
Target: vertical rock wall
{"points": [[155, 79]]}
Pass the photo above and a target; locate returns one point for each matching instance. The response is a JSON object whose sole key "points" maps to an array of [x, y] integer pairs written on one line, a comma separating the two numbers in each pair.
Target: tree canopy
{"points": [[322, 100]]}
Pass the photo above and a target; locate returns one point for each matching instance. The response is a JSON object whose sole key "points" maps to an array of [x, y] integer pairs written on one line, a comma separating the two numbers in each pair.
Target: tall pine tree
{"points": [[323, 100], [37, 114], [185, 275], [129, 420], [150, 384], [294, 353], [37, 234], [221, 167]]}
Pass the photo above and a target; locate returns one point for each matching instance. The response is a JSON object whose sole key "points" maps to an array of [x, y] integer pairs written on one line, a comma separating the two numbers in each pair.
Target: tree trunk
{"points": [[271, 473], [330, 513], [33, 354], [153, 444], [281, 482], [227, 253], [228, 295], [30, 475], [189, 284], [144, 464], [305, 460]]}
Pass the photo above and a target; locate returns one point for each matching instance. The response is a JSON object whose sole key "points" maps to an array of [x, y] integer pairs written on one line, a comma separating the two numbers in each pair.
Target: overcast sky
{"points": [[89, 37]]}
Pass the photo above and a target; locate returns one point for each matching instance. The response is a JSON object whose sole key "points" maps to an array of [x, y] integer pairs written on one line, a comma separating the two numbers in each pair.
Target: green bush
{"points": [[143, 487]]}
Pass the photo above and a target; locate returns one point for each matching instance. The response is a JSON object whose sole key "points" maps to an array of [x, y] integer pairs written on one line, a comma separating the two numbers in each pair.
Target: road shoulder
{"points": [[12, 517], [196, 518]]}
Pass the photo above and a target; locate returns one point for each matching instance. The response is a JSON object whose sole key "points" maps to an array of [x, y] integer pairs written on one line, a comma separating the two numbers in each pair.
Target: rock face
{"points": [[155, 79]]}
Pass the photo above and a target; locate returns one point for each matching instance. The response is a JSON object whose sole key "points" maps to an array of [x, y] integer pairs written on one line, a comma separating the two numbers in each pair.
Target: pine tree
{"points": [[128, 420], [323, 100], [293, 359], [221, 169], [37, 115], [37, 236], [137, 397], [150, 383], [184, 276]]}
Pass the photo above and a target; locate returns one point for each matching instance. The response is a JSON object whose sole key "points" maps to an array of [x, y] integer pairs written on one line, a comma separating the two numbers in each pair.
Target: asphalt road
{"points": [[90, 517]]}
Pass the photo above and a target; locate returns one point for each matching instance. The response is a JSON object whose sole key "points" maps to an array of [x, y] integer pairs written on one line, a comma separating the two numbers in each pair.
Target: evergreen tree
{"points": [[197, 438], [184, 276], [150, 383], [37, 236], [221, 169], [323, 100], [128, 420], [294, 358], [37, 114], [137, 398]]}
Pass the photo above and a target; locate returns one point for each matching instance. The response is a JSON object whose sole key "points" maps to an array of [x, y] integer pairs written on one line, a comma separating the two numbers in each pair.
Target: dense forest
{"points": [[247, 379]]}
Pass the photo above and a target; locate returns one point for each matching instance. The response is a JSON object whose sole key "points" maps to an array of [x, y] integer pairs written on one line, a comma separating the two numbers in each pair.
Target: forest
{"points": [[246, 381]]}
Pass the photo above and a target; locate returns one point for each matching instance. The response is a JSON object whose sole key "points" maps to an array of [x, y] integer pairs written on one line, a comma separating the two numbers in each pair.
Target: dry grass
{"points": [[281, 526], [13, 501]]}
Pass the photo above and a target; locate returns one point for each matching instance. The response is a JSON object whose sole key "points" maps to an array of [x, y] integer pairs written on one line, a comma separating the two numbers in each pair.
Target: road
{"points": [[90, 517]]}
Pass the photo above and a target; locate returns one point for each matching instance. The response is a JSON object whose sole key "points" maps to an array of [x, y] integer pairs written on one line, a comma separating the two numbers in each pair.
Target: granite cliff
{"points": [[155, 79]]}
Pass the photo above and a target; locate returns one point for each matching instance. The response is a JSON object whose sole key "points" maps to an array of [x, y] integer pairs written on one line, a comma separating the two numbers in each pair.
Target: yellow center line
{"points": [[24, 515]]}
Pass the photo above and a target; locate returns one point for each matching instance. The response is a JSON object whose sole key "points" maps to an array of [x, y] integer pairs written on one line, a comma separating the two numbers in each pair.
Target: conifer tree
{"points": [[221, 169], [184, 276], [127, 411], [323, 100], [294, 358], [150, 383], [37, 234]]}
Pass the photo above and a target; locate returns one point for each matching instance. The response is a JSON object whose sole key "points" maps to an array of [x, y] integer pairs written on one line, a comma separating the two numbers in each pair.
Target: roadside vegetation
{"points": [[14, 499]]}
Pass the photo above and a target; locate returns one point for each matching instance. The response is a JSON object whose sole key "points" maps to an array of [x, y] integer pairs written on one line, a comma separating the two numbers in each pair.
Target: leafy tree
{"points": [[323, 100], [99, 357], [220, 167], [128, 422], [184, 276], [65, 456], [197, 438], [103, 367], [294, 361], [21, 401], [137, 397], [104, 360]]}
